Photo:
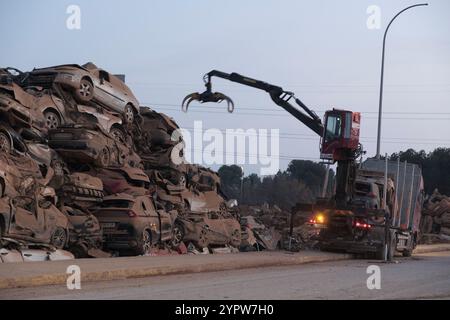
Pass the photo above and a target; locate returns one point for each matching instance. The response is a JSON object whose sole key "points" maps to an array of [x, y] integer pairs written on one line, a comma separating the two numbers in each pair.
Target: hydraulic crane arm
{"points": [[277, 94]]}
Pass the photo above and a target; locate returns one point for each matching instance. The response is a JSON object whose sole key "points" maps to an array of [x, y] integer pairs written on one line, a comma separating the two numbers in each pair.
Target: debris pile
{"points": [[435, 223], [85, 168], [269, 228]]}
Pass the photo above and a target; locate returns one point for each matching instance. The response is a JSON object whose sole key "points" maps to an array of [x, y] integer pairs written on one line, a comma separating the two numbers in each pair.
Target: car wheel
{"points": [[118, 134], [145, 242], [104, 158], [85, 91], [59, 238], [177, 234], [236, 238], [182, 181], [5, 143], [203, 240], [129, 114], [52, 120]]}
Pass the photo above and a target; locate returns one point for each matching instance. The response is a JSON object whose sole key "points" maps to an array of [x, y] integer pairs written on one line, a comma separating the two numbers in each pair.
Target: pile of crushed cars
{"points": [[435, 221], [85, 171]]}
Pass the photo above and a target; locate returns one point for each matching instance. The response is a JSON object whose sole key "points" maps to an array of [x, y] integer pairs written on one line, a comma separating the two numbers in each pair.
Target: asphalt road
{"points": [[425, 276]]}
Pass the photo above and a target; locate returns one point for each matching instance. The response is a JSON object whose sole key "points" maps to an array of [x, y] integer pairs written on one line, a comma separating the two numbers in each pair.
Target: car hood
{"points": [[60, 68]]}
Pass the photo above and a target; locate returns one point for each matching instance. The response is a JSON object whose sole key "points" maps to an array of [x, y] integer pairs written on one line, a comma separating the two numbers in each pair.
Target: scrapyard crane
{"points": [[339, 131]]}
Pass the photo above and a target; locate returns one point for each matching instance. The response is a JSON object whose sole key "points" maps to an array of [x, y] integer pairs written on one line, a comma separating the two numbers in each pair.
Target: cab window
{"points": [[334, 126]]}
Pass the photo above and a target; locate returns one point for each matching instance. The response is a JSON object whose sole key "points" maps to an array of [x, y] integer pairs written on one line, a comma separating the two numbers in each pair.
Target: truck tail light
{"points": [[361, 224]]}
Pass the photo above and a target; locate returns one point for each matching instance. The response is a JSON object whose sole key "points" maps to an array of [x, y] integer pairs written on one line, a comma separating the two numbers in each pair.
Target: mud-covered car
{"points": [[88, 83], [159, 147], [78, 188], [208, 230], [18, 175], [10, 139], [127, 180], [79, 143], [34, 219], [134, 223], [157, 131], [28, 107], [42, 109], [85, 232]]}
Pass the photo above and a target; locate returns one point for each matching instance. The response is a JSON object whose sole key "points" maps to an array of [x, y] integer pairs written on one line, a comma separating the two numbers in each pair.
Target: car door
{"points": [[24, 220], [104, 91], [113, 97], [120, 92]]}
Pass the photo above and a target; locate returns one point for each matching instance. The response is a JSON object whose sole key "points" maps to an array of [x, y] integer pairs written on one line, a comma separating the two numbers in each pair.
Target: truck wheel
{"points": [[407, 253], [391, 250]]}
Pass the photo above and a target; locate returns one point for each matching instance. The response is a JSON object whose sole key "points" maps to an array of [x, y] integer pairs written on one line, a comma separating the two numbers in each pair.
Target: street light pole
{"points": [[380, 106]]}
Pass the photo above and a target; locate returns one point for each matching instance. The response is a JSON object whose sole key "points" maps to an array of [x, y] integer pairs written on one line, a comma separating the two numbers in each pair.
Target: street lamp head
{"points": [[380, 105]]}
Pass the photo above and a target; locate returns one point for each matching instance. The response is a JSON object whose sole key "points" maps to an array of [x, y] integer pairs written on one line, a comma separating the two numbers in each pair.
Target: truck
{"points": [[383, 216], [347, 222]]}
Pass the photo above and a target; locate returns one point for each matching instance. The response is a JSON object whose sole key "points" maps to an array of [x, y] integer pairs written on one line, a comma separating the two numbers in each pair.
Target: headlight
{"points": [[66, 76], [318, 218]]}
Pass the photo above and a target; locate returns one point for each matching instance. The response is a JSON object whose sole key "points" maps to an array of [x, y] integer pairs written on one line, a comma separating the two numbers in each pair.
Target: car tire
{"points": [[236, 238], [104, 158], [85, 91], [177, 234], [203, 240], [79, 250], [59, 238], [52, 120], [144, 242], [128, 114], [5, 143], [118, 134]]}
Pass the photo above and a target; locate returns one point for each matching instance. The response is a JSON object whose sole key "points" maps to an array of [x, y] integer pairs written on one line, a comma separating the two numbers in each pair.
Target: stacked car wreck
{"points": [[85, 168]]}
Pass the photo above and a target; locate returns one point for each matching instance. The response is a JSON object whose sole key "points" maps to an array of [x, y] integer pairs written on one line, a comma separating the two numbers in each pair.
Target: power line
{"points": [[310, 137], [283, 113]]}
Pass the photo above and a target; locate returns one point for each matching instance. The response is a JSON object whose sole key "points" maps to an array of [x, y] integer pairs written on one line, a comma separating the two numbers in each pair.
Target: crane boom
{"points": [[277, 94], [339, 141]]}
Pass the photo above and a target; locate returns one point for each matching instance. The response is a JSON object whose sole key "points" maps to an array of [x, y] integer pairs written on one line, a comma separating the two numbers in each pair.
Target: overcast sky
{"points": [[321, 50]]}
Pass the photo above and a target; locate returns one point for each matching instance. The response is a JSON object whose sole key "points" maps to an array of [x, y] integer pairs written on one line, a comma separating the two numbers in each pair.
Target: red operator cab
{"points": [[341, 135]]}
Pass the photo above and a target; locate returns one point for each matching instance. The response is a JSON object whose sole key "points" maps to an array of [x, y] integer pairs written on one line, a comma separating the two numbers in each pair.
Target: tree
{"points": [[230, 177], [435, 167], [310, 173]]}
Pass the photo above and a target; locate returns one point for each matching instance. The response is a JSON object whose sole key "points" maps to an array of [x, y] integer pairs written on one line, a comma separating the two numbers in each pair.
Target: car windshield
{"points": [[117, 203]]}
